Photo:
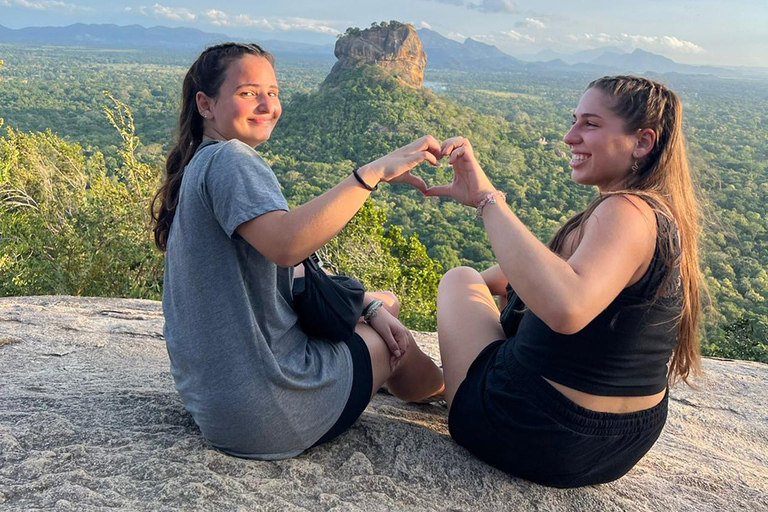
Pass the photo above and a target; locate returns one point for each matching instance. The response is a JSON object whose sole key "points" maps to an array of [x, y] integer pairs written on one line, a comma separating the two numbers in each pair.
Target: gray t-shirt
{"points": [[255, 384]]}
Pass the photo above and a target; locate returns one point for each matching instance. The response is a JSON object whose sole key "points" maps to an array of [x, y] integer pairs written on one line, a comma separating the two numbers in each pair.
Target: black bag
{"points": [[328, 307], [512, 314]]}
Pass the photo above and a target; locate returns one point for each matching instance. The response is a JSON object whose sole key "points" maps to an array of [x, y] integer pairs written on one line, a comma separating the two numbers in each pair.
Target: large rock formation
{"points": [[394, 47], [89, 420]]}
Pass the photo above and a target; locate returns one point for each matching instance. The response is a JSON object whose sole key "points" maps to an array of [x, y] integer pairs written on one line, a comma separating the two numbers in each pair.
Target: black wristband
{"points": [[363, 183], [367, 307]]}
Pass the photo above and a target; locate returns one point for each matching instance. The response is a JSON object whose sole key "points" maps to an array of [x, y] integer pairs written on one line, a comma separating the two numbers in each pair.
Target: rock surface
{"points": [[396, 49], [89, 420]]}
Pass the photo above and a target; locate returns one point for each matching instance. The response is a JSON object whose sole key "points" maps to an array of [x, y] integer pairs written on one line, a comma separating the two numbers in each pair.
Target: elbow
{"points": [[285, 258], [566, 320], [279, 255], [567, 328], [285, 252]]}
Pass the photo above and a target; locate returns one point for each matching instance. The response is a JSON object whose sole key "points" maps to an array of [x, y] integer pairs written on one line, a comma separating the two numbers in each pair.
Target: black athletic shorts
{"points": [[516, 421], [362, 387]]}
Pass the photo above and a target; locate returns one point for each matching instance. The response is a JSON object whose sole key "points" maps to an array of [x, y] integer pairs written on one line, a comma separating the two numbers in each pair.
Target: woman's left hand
{"points": [[397, 336], [396, 166], [470, 183]]}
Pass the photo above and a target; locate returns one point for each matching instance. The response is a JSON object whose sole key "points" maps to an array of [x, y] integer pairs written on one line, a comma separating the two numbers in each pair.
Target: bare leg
{"points": [[467, 322], [416, 376], [391, 302]]}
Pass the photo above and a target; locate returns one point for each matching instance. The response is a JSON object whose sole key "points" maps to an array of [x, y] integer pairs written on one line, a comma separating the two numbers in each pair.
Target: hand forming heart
{"points": [[469, 186], [396, 166]]}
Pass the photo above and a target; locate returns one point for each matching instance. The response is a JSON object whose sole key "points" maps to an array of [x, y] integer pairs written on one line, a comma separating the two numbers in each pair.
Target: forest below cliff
{"points": [[85, 132]]}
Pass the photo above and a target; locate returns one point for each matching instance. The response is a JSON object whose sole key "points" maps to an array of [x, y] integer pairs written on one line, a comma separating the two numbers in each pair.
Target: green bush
{"points": [[71, 225]]}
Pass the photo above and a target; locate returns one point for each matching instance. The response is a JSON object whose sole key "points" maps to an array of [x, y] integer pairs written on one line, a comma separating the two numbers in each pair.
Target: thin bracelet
{"points": [[363, 183], [489, 198], [368, 306], [372, 310]]}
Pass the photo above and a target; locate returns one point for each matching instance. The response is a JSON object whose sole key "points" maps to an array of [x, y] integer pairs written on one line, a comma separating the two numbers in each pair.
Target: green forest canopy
{"points": [[110, 163]]}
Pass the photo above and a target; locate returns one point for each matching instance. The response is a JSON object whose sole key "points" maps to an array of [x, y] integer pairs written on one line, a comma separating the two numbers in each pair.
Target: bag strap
{"points": [[313, 262]]}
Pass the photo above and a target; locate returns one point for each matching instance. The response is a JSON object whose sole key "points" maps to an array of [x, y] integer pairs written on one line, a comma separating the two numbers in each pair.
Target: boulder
{"points": [[394, 48], [90, 420]]}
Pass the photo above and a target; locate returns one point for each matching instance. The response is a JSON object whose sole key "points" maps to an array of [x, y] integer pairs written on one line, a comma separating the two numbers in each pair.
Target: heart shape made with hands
{"points": [[469, 184], [426, 149]]}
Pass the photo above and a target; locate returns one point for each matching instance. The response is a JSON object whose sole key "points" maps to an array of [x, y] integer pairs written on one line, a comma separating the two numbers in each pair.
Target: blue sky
{"points": [[690, 31]]}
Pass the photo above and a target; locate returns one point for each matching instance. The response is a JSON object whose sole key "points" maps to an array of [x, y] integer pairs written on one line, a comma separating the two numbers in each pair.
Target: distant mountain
{"points": [[447, 53], [471, 54], [610, 59], [293, 49], [441, 51], [136, 36], [590, 55], [640, 61], [112, 36], [546, 55], [581, 57]]}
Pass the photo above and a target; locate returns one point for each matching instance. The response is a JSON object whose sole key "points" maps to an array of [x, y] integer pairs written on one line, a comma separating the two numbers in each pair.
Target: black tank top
{"points": [[624, 351]]}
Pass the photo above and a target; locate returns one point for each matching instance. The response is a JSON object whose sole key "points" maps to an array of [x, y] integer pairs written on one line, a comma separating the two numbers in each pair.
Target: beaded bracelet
{"points": [[490, 198]]}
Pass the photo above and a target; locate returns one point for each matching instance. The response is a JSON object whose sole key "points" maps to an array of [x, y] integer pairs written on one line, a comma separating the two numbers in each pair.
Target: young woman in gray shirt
{"points": [[256, 385]]}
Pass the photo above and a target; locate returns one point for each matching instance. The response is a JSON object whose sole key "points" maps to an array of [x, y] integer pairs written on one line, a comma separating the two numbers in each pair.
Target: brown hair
{"points": [[663, 178], [207, 74]]}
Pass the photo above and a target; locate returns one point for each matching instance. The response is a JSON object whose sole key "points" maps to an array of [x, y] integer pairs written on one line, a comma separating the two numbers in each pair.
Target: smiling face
{"points": [[601, 148], [247, 106]]}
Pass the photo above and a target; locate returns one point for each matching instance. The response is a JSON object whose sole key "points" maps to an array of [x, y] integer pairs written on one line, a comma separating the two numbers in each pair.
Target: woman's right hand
{"points": [[397, 336], [396, 166], [470, 184]]}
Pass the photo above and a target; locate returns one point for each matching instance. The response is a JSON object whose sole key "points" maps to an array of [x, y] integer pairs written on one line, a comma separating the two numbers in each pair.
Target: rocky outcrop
{"points": [[395, 48], [89, 420]]}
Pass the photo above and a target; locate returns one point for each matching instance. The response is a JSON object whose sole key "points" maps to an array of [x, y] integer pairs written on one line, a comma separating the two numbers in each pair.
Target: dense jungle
{"points": [[84, 132]]}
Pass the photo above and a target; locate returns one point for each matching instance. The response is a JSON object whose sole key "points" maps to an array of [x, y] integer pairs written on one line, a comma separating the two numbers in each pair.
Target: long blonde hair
{"points": [[664, 179]]}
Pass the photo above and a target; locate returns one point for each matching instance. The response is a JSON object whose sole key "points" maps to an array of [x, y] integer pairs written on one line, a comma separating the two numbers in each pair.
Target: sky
{"points": [[716, 32]]}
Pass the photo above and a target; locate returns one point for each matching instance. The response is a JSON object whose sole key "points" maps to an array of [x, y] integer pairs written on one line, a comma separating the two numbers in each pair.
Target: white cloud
{"points": [[450, 2], [44, 5], [141, 10], [216, 17], [549, 18], [486, 38], [173, 13], [222, 19], [517, 36], [456, 36], [531, 23], [309, 25], [493, 6], [635, 41], [505, 39], [424, 24], [679, 44]]}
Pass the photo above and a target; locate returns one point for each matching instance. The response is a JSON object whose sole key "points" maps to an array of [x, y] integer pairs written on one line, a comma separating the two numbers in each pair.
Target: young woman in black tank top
{"points": [[570, 388]]}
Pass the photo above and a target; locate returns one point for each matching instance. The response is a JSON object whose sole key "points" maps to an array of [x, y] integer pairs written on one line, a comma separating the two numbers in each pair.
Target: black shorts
{"points": [[516, 421], [362, 388]]}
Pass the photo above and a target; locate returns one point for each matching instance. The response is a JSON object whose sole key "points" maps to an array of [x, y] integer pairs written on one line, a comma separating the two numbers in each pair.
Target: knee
{"points": [[459, 276], [391, 302]]}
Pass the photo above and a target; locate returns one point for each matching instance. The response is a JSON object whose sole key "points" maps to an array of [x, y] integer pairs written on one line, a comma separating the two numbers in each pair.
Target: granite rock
{"points": [[396, 49], [89, 420]]}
